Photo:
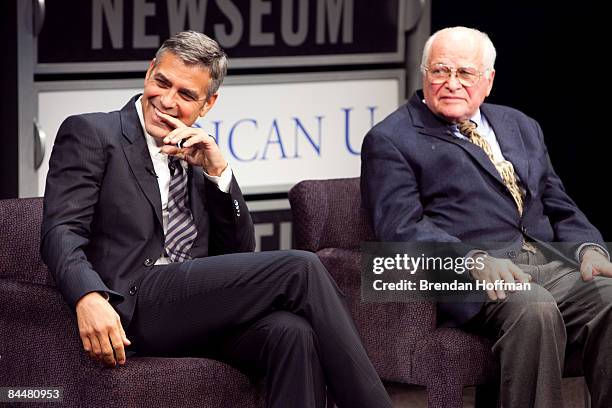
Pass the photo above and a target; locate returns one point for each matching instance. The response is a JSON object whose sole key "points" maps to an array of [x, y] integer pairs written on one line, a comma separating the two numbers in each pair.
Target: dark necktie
{"points": [[181, 228]]}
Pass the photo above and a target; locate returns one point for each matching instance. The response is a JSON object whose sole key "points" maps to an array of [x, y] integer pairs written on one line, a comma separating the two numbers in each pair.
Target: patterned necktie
{"points": [[504, 167], [181, 228]]}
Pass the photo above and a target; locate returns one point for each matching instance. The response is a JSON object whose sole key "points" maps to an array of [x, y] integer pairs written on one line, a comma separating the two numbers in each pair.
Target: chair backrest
{"points": [[328, 214], [20, 220]]}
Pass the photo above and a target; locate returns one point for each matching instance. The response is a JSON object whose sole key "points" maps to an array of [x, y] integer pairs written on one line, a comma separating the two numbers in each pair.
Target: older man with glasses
{"points": [[449, 168]]}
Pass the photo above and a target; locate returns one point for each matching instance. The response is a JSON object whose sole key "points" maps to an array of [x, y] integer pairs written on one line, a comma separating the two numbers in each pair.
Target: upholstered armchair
{"points": [[401, 339], [40, 345]]}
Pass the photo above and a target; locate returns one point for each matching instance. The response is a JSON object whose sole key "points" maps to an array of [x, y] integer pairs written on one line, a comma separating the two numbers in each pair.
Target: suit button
{"points": [[512, 254], [133, 290], [523, 229], [149, 262]]}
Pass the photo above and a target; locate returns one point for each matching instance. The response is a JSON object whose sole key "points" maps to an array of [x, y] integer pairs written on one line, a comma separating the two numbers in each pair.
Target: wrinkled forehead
{"points": [[457, 49]]}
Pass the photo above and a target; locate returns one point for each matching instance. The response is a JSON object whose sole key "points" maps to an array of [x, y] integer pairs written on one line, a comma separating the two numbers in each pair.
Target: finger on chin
{"points": [[172, 121]]}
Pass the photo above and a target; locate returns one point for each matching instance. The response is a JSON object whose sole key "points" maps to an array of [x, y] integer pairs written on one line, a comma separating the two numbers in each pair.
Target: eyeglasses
{"points": [[440, 73]]}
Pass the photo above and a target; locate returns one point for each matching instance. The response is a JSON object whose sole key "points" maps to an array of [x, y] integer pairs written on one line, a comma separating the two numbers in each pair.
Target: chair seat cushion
{"points": [[40, 346]]}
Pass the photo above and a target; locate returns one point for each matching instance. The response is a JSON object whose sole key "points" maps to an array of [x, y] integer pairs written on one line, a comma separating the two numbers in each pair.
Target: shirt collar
{"points": [[154, 149], [477, 118], [481, 126]]}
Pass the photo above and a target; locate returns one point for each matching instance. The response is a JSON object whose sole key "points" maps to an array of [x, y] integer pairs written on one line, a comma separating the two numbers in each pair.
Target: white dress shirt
{"points": [[486, 131]]}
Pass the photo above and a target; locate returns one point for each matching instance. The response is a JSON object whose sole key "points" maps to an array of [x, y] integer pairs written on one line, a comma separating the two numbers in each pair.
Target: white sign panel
{"points": [[272, 134]]}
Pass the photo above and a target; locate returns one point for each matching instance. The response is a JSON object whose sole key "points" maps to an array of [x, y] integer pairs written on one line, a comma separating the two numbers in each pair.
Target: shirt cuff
{"points": [[223, 181], [586, 244]]}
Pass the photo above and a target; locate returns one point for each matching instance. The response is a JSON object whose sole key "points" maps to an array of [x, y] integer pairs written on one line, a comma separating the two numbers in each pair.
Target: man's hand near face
{"points": [[100, 330], [499, 269], [199, 149], [594, 263]]}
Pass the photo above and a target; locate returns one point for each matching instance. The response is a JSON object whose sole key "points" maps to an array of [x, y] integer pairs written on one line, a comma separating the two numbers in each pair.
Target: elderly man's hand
{"points": [[100, 330], [496, 269], [594, 263], [198, 149]]}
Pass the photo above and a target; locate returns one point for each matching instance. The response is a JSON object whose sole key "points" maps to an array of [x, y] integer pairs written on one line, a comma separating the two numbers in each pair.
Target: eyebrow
{"points": [[451, 66], [191, 93]]}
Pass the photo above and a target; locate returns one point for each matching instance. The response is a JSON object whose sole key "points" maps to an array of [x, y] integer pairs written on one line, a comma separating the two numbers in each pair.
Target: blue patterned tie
{"points": [[181, 228]]}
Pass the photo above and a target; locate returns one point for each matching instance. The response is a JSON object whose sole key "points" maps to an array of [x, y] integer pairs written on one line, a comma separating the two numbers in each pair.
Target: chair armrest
{"points": [[328, 214], [20, 261]]}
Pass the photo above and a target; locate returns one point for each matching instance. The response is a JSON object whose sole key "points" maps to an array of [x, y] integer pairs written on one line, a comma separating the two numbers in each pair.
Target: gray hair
{"points": [[488, 49], [193, 47]]}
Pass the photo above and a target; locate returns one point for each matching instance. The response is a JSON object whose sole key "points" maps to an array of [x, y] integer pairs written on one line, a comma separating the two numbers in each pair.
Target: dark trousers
{"points": [[274, 314], [533, 331]]}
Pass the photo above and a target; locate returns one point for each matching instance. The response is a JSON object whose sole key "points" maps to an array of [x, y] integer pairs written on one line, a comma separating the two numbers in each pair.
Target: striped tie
{"points": [[181, 228]]}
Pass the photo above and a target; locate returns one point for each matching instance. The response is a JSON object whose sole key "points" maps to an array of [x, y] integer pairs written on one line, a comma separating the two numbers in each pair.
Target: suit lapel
{"points": [[509, 138], [138, 157], [433, 126]]}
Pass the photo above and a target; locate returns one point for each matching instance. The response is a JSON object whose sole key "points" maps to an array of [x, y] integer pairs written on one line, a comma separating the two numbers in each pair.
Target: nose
{"points": [[453, 82], [167, 99]]}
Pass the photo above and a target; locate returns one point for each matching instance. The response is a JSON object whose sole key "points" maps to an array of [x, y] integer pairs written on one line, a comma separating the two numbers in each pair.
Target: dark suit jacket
{"points": [[422, 183], [102, 221]]}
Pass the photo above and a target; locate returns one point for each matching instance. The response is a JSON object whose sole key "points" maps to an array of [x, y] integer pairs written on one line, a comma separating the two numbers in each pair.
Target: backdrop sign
{"points": [[104, 35], [274, 130]]}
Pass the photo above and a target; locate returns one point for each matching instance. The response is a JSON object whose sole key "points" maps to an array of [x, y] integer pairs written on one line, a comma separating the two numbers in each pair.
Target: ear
{"points": [[208, 105], [150, 69], [490, 82]]}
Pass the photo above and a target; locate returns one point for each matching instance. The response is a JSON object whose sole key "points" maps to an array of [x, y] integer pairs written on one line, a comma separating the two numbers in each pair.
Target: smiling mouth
{"points": [[157, 115]]}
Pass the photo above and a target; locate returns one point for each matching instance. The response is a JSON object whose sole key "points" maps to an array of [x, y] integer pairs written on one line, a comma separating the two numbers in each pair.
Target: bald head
{"points": [[472, 38]]}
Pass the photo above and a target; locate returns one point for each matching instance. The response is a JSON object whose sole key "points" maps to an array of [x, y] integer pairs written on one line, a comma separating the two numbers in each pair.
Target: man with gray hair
{"points": [[449, 168], [147, 235]]}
